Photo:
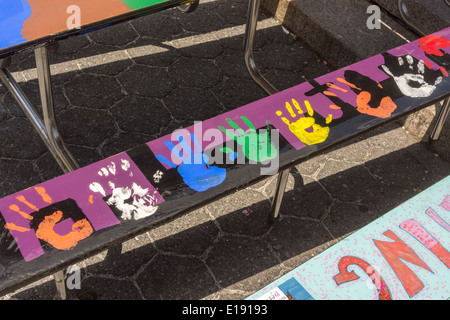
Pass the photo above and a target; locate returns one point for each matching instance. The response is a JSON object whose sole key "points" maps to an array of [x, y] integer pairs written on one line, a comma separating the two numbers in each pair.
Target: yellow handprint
{"points": [[306, 128]]}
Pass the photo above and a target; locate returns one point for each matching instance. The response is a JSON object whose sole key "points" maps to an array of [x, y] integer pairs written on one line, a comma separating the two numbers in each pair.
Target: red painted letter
{"points": [[393, 252], [345, 276]]}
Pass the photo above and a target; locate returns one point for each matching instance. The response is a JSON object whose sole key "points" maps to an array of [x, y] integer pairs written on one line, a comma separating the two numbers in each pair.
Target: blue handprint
{"points": [[13, 14], [194, 168]]}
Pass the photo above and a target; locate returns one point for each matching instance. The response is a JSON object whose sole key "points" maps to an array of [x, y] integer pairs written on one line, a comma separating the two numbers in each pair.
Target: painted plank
{"points": [[24, 21]]}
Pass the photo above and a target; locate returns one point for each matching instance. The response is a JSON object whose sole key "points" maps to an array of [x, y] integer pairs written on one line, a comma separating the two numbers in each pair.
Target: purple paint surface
{"points": [[74, 185]]}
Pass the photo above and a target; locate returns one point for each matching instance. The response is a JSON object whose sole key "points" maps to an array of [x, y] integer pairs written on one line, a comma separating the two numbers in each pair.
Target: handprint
{"points": [[432, 45], [305, 128], [256, 146], [192, 165], [371, 98], [130, 199], [44, 224], [412, 77]]}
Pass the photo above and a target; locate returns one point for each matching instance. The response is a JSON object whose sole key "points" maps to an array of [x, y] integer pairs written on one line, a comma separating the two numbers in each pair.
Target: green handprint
{"points": [[256, 146]]}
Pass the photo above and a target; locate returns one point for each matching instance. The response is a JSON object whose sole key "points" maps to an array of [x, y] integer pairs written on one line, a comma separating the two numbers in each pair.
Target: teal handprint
{"points": [[256, 146]]}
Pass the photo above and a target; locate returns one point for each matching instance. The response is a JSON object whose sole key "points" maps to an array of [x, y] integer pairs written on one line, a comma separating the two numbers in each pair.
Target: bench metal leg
{"points": [[443, 115], [405, 16], [250, 30], [278, 196], [46, 129], [46, 92], [60, 281]]}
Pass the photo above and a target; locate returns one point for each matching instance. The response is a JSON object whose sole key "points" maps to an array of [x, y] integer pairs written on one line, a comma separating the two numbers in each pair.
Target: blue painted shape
{"points": [[295, 289], [13, 13], [194, 169]]}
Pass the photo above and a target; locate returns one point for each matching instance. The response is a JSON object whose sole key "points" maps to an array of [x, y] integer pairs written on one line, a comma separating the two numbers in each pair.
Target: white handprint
{"points": [[132, 200], [411, 80]]}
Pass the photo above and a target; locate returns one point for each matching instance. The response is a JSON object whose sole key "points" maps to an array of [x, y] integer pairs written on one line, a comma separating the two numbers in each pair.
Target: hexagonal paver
{"points": [[146, 81], [194, 72], [139, 114], [102, 60], [234, 93], [86, 127], [106, 288], [291, 237], [205, 46], [31, 90], [349, 182], [241, 263], [152, 52], [204, 19], [116, 35], [162, 26], [20, 140], [191, 234], [24, 176], [170, 277], [244, 212], [192, 104], [116, 262], [93, 91], [122, 141]]}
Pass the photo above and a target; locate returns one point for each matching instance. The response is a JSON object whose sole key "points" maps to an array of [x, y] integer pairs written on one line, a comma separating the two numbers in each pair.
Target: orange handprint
{"points": [[81, 229]]}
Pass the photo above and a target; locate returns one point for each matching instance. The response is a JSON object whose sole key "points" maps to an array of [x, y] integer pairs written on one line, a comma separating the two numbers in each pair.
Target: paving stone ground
{"points": [[128, 84]]}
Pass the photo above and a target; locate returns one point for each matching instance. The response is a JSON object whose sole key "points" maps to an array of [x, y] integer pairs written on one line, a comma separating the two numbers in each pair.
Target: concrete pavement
{"points": [[131, 83]]}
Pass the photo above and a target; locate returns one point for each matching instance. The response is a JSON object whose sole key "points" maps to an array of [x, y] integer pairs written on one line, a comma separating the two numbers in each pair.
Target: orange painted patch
{"points": [[50, 16], [12, 226], [80, 230], [43, 193], [91, 199], [335, 107], [351, 85], [384, 110], [328, 93], [332, 86], [24, 201], [16, 208]]}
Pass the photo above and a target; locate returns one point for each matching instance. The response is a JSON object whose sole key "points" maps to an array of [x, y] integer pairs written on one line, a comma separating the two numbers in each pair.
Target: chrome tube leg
{"points": [[407, 19], [45, 87], [29, 111], [63, 155], [278, 196], [443, 115], [250, 30], [60, 281]]}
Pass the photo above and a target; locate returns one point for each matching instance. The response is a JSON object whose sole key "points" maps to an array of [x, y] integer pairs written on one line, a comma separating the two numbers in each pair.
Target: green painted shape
{"points": [[139, 4]]}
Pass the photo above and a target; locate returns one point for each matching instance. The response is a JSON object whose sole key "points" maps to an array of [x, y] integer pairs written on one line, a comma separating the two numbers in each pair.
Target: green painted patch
{"points": [[139, 4]]}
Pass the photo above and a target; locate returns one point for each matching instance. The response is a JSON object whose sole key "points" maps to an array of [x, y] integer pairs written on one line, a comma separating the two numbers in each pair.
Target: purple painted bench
{"points": [[55, 224]]}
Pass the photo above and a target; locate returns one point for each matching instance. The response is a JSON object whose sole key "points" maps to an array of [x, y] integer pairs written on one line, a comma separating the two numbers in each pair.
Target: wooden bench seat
{"points": [[50, 226]]}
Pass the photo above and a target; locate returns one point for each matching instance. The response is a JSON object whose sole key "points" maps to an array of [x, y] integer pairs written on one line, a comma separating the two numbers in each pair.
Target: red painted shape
{"points": [[344, 276], [431, 43], [393, 252]]}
